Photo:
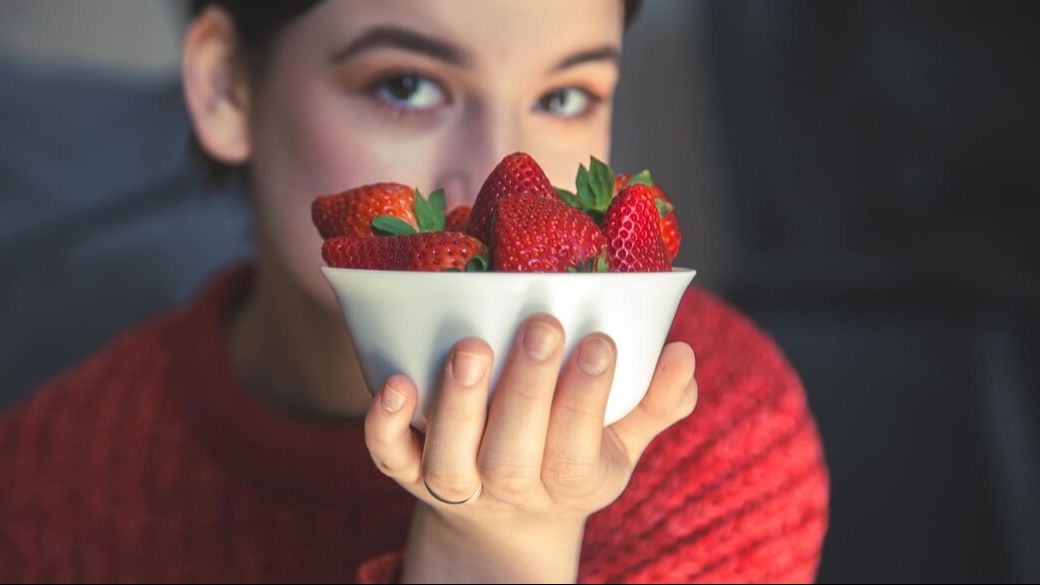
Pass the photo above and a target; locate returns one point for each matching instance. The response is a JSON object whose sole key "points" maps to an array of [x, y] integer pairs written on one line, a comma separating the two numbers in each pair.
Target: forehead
{"points": [[493, 33]]}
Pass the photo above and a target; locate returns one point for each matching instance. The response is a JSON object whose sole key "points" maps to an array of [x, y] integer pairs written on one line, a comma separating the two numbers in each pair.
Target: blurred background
{"points": [[862, 178]]}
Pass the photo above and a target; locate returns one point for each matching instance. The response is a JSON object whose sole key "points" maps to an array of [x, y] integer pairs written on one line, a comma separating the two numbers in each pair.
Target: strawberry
{"points": [[518, 173], [669, 223], [351, 212], [598, 185], [620, 180], [427, 252], [533, 233], [457, 218], [428, 213], [632, 227], [671, 235]]}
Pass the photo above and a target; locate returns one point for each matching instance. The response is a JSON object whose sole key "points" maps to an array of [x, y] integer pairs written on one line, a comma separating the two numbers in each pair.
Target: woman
{"points": [[235, 439]]}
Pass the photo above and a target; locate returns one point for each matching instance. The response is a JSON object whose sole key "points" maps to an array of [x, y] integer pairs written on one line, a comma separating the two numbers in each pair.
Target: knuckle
{"points": [[384, 468], [581, 409], [529, 394], [449, 485], [659, 409], [513, 483], [678, 407], [563, 473]]}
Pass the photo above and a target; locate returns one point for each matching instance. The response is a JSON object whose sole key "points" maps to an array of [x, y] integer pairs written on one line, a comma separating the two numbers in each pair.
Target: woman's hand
{"points": [[527, 471]]}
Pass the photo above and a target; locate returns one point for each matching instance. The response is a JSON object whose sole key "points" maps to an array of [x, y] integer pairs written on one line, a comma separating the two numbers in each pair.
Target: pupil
{"points": [[556, 100], [403, 87]]}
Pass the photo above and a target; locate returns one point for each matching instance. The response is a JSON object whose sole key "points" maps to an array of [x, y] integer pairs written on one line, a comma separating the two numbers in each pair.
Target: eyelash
{"points": [[373, 89], [594, 102]]}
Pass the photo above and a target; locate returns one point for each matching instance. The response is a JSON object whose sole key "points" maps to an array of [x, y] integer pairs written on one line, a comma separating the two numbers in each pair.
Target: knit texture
{"points": [[149, 463]]}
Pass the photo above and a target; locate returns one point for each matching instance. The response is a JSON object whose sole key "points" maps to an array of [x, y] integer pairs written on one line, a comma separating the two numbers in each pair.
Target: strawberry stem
{"points": [[477, 264]]}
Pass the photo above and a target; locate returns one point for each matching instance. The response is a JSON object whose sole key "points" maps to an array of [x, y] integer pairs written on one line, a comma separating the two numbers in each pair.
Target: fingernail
{"points": [[467, 368], [540, 340], [392, 399], [594, 356]]}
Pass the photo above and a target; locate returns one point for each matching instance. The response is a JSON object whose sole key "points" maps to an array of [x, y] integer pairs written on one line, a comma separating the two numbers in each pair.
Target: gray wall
{"points": [[135, 35]]}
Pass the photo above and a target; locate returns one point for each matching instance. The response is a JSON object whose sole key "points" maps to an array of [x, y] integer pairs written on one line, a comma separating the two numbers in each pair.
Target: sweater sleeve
{"points": [[738, 491]]}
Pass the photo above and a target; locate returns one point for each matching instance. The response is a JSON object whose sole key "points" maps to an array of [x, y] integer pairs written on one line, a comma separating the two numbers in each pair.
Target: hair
{"points": [[257, 25]]}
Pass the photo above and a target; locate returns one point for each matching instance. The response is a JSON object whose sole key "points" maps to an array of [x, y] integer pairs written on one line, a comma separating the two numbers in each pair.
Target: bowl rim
{"points": [[676, 270]]}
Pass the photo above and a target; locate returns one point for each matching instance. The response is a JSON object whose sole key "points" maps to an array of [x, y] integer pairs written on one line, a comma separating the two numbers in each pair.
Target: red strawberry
{"points": [[619, 182], [428, 252], [517, 173], [532, 233], [457, 219], [632, 227], [669, 223], [671, 235], [351, 212]]}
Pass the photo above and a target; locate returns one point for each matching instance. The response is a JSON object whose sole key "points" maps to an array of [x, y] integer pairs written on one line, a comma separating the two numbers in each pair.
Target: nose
{"points": [[483, 137]]}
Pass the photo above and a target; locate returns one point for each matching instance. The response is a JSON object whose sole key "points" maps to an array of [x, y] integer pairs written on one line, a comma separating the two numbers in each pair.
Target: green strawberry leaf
{"points": [[601, 178], [423, 212], [596, 215], [385, 225], [663, 207], [440, 207], [641, 178], [477, 264], [586, 196], [430, 213], [592, 264], [568, 197]]}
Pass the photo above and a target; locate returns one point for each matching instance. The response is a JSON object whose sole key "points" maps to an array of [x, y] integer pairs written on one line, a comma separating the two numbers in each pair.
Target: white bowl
{"points": [[406, 322]]}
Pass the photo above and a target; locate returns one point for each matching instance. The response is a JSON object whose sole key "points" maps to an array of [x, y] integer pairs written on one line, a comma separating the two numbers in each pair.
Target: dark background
{"points": [[860, 177]]}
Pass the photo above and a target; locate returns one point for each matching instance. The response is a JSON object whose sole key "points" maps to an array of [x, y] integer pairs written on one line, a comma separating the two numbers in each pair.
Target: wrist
{"points": [[449, 549]]}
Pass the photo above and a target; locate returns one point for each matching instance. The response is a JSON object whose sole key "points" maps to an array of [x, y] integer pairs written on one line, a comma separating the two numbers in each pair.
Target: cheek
{"points": [[303, 146], [311, 139], [560, 147]]}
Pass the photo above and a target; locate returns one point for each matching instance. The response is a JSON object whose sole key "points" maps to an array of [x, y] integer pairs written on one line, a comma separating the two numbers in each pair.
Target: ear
{"points": [[216, 87]]}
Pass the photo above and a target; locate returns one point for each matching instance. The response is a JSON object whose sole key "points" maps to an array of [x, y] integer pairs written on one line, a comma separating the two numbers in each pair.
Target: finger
{"points": [[575, 437], [456, 422], [672, 397], [511, 454], [395, 447]]}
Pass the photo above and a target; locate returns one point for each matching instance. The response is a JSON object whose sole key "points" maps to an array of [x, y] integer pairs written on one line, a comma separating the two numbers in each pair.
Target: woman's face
{"points": [[430, 94]]}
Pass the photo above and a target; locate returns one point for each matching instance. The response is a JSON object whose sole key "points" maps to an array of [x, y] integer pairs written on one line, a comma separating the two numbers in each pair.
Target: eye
{"points": [[409, 91], [567, 102]]}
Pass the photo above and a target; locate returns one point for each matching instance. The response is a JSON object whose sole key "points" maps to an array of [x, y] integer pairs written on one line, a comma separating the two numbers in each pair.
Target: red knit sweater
{"points": [[149, 463]]}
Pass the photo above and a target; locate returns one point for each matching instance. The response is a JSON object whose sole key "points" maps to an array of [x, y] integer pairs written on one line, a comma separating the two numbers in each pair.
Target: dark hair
{"points": [[257, 25]]}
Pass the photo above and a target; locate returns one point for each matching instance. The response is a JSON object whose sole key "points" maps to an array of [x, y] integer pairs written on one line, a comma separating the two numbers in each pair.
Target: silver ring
{"points": [[480, 488]]}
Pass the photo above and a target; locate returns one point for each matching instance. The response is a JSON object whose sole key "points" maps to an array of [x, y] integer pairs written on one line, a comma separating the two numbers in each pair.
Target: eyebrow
{"points": [[396, 37], [608, 53]]}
